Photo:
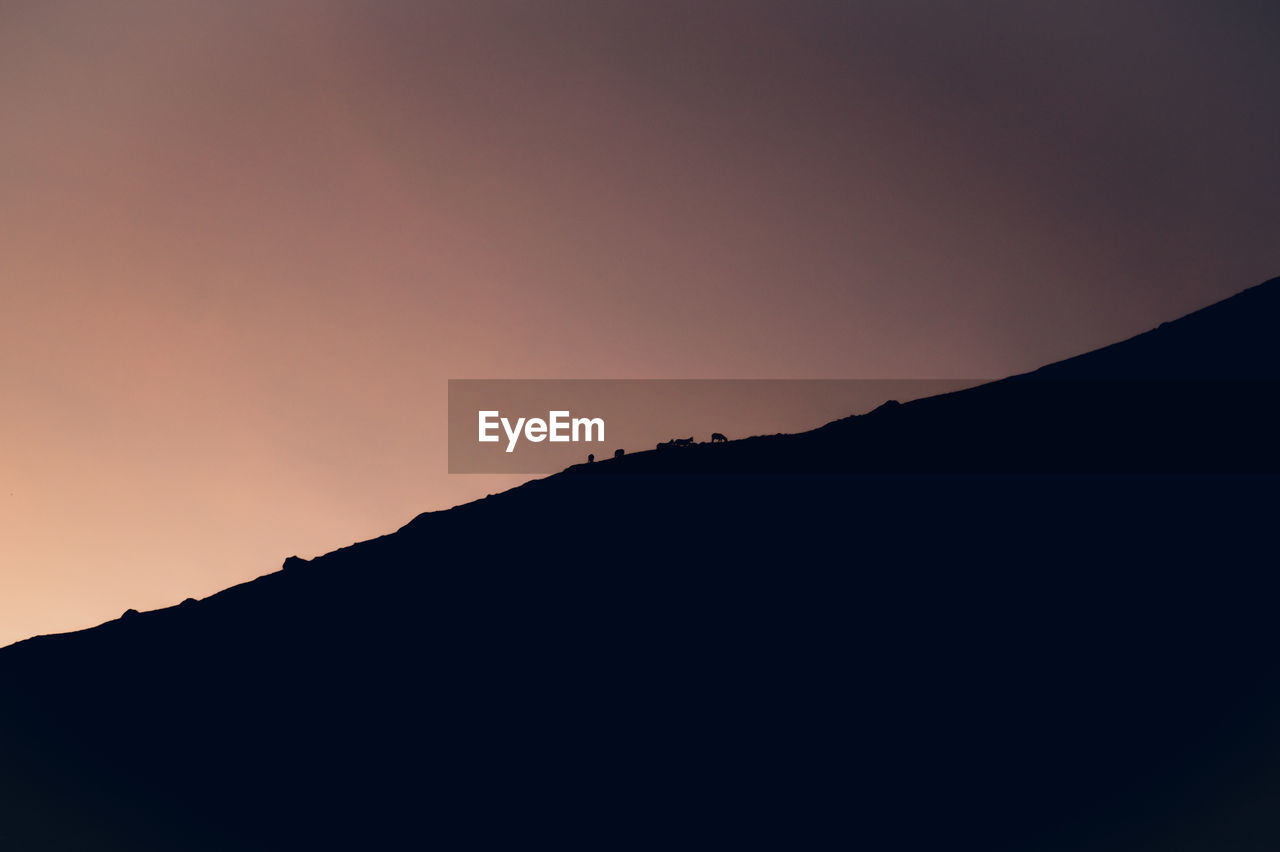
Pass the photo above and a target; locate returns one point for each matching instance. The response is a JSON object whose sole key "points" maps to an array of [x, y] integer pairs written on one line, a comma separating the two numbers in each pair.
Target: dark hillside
{"points": [[988, 634]]}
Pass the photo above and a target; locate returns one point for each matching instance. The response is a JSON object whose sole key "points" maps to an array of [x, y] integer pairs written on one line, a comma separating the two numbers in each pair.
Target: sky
{"points": [[245, 244]]}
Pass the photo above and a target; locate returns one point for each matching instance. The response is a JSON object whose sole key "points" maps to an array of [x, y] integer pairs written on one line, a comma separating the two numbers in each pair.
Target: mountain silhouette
{"points": [[1038, 614]]}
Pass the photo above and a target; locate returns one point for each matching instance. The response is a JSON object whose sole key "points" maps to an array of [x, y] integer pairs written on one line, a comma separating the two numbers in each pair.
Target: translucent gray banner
{"points": [[543, 426]]}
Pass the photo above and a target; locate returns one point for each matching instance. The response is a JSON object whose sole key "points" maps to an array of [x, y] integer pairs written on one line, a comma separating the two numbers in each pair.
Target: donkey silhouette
{"points": [[683, 442], [718, 438]]}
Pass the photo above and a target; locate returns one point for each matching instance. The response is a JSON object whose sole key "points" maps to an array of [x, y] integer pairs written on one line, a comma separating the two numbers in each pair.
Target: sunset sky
{"points": [[244, 244]]}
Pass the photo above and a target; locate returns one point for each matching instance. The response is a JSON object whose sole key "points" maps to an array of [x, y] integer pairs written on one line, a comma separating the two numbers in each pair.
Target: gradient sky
{"points": [[244, 243]]}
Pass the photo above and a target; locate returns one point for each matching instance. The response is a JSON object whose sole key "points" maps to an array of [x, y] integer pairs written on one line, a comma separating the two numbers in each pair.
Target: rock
{"points": [[884, 407]]}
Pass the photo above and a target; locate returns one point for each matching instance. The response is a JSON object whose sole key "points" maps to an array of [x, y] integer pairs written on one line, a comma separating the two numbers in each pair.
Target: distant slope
{"points": [[1236, 339], [945, 659], [1197, 395]]}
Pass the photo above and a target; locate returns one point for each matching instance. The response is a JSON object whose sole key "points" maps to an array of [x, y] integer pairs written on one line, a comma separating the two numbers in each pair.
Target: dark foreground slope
{"points": [[931, 654]]}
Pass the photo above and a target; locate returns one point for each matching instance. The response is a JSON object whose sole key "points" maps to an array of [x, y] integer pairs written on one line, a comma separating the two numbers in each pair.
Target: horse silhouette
{"points": [[718, 438], [683, 442]]}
